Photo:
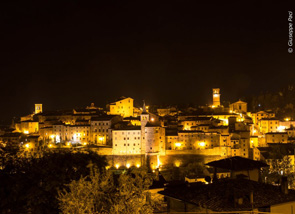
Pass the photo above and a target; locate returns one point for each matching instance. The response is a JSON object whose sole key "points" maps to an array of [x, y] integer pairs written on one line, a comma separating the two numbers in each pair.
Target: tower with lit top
{"points": [[216, 97], [38, 108]]}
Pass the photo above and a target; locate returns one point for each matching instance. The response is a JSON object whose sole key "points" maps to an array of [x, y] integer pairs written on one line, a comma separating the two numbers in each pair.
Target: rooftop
{"points": [[237, 163], [221, 195]]}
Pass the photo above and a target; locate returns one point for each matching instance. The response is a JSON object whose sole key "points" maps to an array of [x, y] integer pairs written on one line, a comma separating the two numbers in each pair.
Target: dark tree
{"points": [[30, 185]]}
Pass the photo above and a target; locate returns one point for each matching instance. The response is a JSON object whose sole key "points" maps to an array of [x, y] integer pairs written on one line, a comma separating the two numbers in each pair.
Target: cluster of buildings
{"points": [[241, 192], [133, 136]]}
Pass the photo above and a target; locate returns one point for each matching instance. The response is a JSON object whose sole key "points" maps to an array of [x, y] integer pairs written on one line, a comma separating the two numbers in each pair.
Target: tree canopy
{"points": [[30, 185], [108, 193]]}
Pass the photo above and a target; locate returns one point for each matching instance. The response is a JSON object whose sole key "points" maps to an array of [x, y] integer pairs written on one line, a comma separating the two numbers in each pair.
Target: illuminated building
{"points": [[287, 123], [142, 137], [216, 97], [123, 107], [268, 125], [101, 132], [257, 116], [38, 108], [189, 123], [167, 111], [155, 138], [276, 137], [127, 141], [27, 126], [10, 138], [239, 107], [147, 138]]}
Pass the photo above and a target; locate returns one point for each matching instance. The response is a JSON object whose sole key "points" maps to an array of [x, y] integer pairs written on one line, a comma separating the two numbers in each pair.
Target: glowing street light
{"points": [[202, 144], [178, 144]]}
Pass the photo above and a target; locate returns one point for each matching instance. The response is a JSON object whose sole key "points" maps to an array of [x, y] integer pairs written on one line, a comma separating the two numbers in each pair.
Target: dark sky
{"points": [[70, 53]]}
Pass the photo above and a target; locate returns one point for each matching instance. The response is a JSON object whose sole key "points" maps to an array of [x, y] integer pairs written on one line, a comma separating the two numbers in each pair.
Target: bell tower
{"points": [[38, 108], [216, 97]]}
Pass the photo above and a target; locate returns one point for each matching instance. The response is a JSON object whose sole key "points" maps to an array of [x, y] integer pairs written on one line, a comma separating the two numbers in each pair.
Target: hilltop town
{"points": [[135, 136]]}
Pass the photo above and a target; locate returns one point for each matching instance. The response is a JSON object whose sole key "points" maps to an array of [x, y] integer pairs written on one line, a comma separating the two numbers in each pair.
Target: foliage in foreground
{"points": [[280, 165], [30, 185], [108, 193]]}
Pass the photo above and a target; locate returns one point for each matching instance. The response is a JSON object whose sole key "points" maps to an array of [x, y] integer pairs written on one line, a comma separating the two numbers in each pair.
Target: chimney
{"points": [[284, 185]]}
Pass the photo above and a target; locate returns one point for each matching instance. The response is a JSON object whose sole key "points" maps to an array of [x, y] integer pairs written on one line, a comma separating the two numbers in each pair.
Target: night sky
{"points": [[68, 54]]}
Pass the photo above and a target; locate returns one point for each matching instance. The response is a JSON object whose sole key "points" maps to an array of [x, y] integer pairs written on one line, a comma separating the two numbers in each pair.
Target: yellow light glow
{"points": [[287, 119], [281, 128], [52, 136], [213, 106], [117, 166], [101, 138], [177, 144], [152, 119], [27, 145], [68, 144], [137, 165], [202, 144], [158, 161], [57, 138], [128, 165], [216, 95], [26, 132], [177, 163], [50, 145], [230, 111], [84, 143]]}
